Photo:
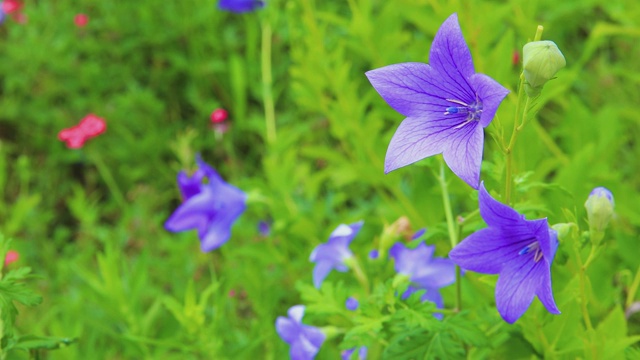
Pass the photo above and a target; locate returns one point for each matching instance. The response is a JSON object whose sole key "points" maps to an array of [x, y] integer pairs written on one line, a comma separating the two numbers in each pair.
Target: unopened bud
{"points": [[599, 207], [541, 62]]}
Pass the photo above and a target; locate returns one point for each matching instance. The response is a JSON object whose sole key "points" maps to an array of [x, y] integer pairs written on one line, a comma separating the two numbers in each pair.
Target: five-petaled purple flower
{"points": [[520, 250], [447, 105], [305, 340], [424, 271], [210, 207], [240, 6], [334, 252]]}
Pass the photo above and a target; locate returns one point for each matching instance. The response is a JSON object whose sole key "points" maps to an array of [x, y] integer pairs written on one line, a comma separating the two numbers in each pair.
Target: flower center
{"points": [[533, 246], [473, 110]]}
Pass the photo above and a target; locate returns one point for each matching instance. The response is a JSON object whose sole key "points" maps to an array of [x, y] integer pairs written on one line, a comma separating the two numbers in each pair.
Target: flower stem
{"points": [[104, 172], [451, 226], [517, 127], [362, 278], [267, 83], [633, 289]]}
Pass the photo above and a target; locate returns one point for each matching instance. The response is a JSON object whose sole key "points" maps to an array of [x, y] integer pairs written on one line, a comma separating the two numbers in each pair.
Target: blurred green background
{"points": [[114, 278]]}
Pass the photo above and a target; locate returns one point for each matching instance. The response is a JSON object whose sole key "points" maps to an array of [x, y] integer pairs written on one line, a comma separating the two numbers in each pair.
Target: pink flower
{"points": [[219, 115], [10, 6], [12, 256], [90, 126], [81, 20]]}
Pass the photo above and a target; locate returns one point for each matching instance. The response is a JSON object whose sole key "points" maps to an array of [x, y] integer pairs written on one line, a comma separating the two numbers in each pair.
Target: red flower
{"points": [[219, 115], [12, 256], [90, 126], [9, 6], [81, 20]]}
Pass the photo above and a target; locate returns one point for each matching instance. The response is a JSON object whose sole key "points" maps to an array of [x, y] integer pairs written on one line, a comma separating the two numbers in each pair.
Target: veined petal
{"points": [[416, 139], [545, 292], [463, 152], [498, 214], [450, 56], [490, 93], [488, 250], [415, 90], [518, 283]]}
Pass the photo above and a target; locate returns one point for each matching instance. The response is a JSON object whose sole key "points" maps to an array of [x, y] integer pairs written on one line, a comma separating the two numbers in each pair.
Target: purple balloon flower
{"points": [[211, 207], [520, 250], [334, 252], [424, 271], [305, 340], [362, 353], [352, 303], [447, 105], [240, 6]]}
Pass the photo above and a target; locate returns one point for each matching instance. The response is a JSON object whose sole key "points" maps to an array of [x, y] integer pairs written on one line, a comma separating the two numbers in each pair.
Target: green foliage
{"points": [[89, 221]]}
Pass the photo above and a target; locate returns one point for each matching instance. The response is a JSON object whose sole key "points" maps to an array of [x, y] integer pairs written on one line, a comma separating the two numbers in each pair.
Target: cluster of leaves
{"points": [[113, 277]]}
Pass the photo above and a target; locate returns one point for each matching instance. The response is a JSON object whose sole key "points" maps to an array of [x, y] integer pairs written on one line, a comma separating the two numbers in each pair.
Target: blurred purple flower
{"points": [[210, 207], [240, 6], [2, 15], [374, 254], [352, 304], [305, 340], [264, 228], [425, 271], [447, 105], [362, 353], [418, 233], [334, 252], [520, 250]]}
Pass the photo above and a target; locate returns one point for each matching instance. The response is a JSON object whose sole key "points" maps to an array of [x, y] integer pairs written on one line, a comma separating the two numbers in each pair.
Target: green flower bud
{"points": [[599, 207], [541, 61], [564, 230]]}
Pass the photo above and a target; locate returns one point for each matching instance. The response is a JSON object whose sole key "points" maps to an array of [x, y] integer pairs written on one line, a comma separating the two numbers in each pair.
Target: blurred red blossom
{"points": [[10, 6], [12, 256], [515, 58], [219, 115], [90, 126], [81, 20]]}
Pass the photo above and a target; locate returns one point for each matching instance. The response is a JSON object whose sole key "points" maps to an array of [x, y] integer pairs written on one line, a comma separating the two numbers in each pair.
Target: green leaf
{"points": [[33, 342]]}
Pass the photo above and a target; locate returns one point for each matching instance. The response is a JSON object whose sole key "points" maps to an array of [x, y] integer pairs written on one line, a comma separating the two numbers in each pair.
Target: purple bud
{"points": [[352, 304]]}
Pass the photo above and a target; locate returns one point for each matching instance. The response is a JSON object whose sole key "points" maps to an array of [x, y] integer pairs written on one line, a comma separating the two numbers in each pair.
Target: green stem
{"points": [[517, 127], [354, 264], [633, 289], [104, 172], [267, 83], [451, 227]]}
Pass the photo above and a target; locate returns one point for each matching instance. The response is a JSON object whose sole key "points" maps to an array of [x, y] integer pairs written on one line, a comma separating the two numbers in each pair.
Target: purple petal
{"points": [[296, 313], [545, 292], [240, 6], [320, 272], [451, 57], [434, 296], [438, 273], [409, 261], [219, 230], [517, 285], [315, 336], [287, 329], [488, 250], [463, 153], [415, 90], [194, 213], [490, 93], [496, 213], [416, 139], [189, 185]]}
